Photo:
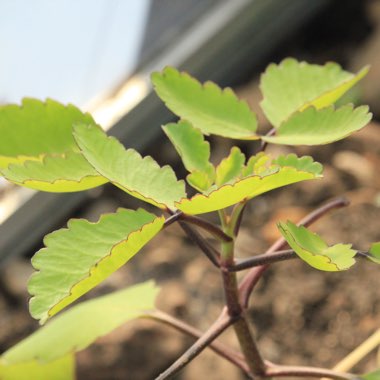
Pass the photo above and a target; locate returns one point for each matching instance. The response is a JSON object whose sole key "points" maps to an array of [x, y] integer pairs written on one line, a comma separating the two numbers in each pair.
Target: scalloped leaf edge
{"points": [[69, 297]]}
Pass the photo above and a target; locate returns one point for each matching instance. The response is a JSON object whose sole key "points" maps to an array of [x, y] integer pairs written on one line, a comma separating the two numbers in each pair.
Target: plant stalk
{"points": [[295, 371], [263, 259], [211, 253], [221, 349], [275, 257], [212, 228], [242, 330]]}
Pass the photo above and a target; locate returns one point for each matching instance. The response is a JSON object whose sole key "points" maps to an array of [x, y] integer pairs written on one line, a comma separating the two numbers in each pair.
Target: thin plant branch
{"points": [[263, 259], [323, 210], [252, 277], [212, 228], [221, 349], [172, 218], [211, 253], [275, 257], [220, 325], [295, 371], [249, 347]]}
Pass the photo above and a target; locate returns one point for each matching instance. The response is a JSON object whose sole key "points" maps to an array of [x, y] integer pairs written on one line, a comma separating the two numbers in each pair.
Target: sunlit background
{"points": [[72, 51]]}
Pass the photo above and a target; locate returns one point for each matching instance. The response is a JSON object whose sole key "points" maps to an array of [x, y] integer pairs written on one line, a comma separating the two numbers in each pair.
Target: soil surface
{"points": [[300, 316]]}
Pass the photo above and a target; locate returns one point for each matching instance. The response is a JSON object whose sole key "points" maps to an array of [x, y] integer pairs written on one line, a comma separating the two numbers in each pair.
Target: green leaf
{"points": [[305, 163], [375, 375], [190, 145], [316, 127], [256, 164], [62, 368], [37, 128], [206, 106], [78, 327], [194, 152], [243, 189], [78, 258], [68, 172], [293, 86], [230, 167], [200, 181], [374, 253], [314, 251], [38, 150], [140, 177]]}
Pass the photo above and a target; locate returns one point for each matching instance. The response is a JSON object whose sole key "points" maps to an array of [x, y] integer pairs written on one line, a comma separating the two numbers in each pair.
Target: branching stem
{"points": [[211, 253], [212, 228], [242, 330], [204, 341], [237, 299], [222, 350]]}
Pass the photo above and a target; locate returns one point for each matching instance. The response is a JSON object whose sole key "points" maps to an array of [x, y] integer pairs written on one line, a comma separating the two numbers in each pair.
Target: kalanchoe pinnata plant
{"points": [[50, 147]]}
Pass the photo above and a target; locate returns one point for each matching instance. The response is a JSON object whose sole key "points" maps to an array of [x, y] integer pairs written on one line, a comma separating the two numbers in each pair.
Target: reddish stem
{"points": [[295, 371], [222, 350], [204, 341]]}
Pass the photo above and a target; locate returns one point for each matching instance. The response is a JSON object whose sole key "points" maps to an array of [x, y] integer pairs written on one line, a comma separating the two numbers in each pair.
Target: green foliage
{"points": [[374, 252], [305, 163], [38, 128], [230, 168], [194, 152], [190, 145], [78, 258], [207, 107], [50, 147], [140, 177], [256, 165], [59, 369], [199, 180], [37, 140], [317, 127], [313, 250], [49, 350], [69, 172], [244, 189], [293, 86]]}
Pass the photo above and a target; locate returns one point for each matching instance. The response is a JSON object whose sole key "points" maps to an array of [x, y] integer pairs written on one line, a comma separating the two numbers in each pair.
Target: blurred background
{"points": [[98, 55]]}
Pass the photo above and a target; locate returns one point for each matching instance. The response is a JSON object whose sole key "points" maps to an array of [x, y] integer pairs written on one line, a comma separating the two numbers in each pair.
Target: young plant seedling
{"points": [[50, 147]]}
